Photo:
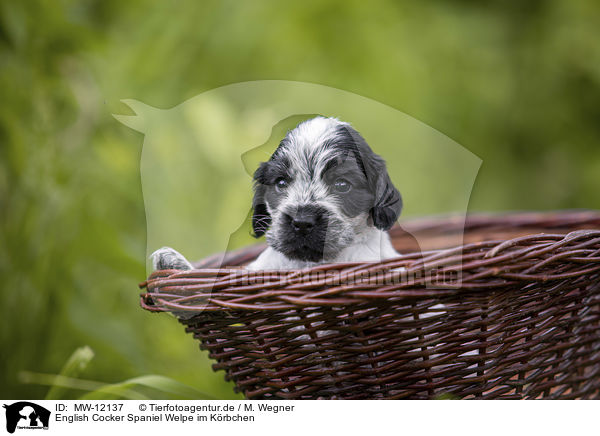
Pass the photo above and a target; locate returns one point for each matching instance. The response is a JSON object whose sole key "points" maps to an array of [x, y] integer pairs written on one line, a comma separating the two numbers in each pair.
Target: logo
{"points": [[26, 415]]}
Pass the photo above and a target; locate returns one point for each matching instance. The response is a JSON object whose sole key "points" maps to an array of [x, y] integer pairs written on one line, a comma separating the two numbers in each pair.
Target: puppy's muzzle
{"points": [[306, 219], [302, 233]]}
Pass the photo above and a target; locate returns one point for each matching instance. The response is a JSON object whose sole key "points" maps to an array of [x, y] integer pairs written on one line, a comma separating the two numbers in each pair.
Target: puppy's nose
{"points": [[306, 219], [303, 224]]}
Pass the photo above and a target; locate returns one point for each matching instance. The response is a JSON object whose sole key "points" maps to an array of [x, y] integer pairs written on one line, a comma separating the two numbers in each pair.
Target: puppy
{"points": [[323, 197]]}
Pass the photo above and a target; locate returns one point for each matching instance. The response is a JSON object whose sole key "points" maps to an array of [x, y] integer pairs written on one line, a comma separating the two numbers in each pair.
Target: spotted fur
{"points": [[351, 226]]}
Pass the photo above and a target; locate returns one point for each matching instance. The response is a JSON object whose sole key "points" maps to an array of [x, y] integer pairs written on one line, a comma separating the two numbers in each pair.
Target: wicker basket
{"points": [[513, 313]]}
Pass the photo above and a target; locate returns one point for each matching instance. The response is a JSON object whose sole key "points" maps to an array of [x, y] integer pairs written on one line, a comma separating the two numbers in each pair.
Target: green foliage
{"points": [[138, 388], [516, 83], [76, 364], [447, 396]]}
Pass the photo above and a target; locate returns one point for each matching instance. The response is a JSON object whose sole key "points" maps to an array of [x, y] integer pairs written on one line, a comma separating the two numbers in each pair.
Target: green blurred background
{"points": [[517, 83]]}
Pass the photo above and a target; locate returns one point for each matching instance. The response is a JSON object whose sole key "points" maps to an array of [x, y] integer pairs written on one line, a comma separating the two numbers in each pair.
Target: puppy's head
{"points": [[321, 189]]}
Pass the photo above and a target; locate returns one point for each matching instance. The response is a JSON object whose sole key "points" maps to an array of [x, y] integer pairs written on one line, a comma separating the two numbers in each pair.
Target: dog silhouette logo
{"points": [[199, 157], [26, 415]]}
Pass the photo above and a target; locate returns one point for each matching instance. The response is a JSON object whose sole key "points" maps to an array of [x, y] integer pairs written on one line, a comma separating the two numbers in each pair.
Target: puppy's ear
{"points": [[261, 219], [388, 202]]}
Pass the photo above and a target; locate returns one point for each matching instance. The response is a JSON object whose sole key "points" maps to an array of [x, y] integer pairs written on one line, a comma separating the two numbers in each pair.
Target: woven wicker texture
{"points": [[512, 313]]}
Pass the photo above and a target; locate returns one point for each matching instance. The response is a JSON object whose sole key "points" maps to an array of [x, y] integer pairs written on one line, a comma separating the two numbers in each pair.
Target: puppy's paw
{"points": [[167, 258]]}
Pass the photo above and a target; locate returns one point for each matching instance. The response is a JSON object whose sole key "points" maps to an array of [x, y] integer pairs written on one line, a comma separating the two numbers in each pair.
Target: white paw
{"points": [[167, 258]]}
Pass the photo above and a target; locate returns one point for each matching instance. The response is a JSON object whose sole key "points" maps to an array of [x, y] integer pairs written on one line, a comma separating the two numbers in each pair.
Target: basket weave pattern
{"points": [[512, 313]]}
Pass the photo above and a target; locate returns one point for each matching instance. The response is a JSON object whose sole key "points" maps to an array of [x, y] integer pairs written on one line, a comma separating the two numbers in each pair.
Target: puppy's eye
{"points": [[342, 185], [280, 184]]}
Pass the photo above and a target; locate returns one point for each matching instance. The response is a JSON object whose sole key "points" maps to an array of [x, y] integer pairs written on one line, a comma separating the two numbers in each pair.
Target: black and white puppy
{"points": [[323, 197]]}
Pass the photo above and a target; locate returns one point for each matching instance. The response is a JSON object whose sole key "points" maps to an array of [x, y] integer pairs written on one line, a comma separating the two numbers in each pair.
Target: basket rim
{"points": [[487, 265]]}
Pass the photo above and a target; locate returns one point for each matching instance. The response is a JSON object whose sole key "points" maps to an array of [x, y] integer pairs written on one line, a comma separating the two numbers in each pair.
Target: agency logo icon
{"points": [[26, 415], [214, 142]]}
